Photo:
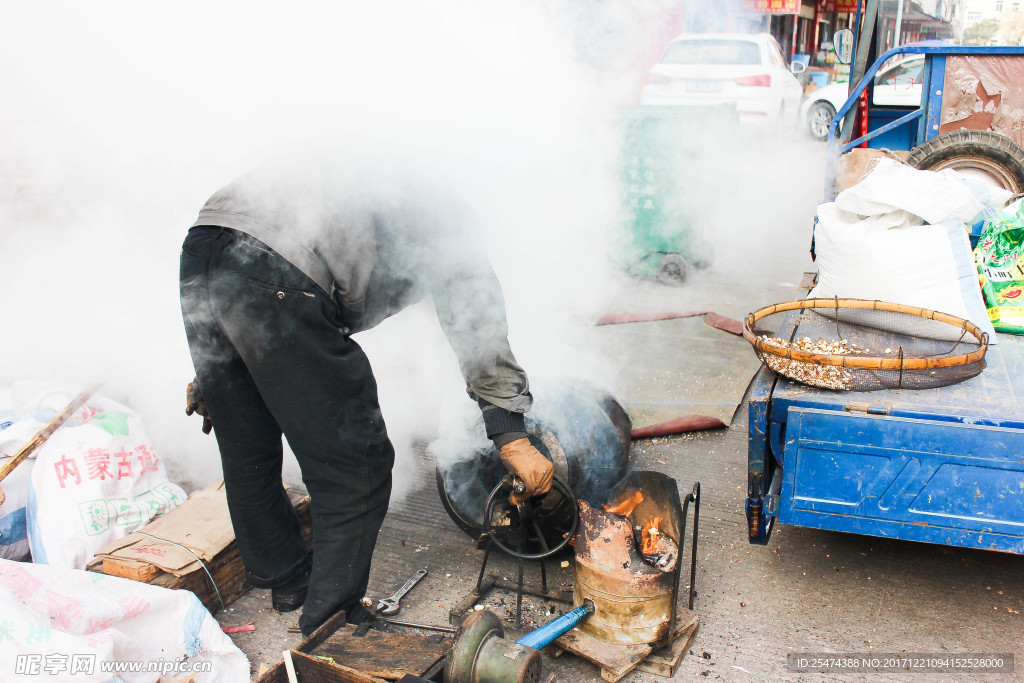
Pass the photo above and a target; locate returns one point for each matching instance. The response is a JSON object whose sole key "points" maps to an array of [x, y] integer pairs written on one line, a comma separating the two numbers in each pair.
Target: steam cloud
{"points": [[121, 118]]}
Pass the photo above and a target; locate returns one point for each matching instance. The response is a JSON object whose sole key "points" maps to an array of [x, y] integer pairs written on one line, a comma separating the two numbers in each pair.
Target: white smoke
{"points": [[121, 118]]}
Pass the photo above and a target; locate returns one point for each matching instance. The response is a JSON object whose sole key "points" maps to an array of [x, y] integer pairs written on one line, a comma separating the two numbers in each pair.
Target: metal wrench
{"points": [[390, 606]]}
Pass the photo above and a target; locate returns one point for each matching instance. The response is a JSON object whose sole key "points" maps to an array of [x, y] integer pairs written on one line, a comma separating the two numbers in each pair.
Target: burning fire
{"points": [[650, 543], [651, 537], [627, 506]]}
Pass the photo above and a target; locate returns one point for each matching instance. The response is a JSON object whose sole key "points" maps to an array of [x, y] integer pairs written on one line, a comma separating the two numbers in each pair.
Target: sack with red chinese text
{"points": [[95, 480]]}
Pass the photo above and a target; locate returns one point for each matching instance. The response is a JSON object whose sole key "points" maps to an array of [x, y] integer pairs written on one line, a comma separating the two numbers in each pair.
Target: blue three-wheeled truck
{"points": [[942, 465]]}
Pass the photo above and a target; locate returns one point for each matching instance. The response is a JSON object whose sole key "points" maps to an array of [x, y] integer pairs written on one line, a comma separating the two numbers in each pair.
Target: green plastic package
{"points": [[1000, 259]]}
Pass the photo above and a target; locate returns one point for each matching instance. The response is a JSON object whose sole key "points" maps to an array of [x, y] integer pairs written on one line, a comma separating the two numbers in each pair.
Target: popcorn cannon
{"points": [[580, 427], [583, 430]]}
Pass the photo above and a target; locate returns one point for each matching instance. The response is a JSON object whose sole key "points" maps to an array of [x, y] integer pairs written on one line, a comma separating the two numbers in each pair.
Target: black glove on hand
{"points": [[194, 403]]}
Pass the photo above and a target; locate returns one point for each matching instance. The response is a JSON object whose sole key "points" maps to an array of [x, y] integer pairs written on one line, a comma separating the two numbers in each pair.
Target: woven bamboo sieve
{"points": [[862, 345]]}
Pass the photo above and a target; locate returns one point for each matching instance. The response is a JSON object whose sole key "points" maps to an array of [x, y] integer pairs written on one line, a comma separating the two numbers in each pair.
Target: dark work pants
{"points": [[271, 359]]}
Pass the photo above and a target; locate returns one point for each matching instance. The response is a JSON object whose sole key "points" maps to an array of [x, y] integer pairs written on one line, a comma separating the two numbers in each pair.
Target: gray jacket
{"points": [[377, 241]]}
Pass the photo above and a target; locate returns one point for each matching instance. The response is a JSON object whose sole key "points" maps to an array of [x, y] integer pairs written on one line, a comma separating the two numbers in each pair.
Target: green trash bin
{"points": [[662, 237]]}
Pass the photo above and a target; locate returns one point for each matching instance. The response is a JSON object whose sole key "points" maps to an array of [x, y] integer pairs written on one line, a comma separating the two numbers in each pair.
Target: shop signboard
{"points": [[774, 6], [837, 5]]}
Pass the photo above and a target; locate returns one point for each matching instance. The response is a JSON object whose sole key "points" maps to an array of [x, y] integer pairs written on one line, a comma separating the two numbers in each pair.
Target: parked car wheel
{"points": [[982, 155], [819, 118], [672, 270]]}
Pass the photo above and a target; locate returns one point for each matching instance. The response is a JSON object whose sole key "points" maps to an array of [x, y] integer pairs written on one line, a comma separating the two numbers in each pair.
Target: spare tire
{"points": [[981, 155]]}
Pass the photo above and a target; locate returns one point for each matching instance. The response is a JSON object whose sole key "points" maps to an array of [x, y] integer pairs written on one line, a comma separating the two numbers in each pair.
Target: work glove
{"points": [[527, 463], [194, 403]]}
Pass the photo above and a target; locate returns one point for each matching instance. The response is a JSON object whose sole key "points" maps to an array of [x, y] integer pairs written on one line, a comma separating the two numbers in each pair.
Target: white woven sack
{"points": [[71, 625]]}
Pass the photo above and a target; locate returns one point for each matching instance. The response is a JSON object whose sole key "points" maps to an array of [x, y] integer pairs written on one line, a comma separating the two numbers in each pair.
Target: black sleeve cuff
{"points": [[499, 421], [507, 437]]}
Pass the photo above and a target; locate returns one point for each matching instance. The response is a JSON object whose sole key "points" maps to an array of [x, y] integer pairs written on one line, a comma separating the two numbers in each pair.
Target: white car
{"points": [[896, 85], [715, 68]]}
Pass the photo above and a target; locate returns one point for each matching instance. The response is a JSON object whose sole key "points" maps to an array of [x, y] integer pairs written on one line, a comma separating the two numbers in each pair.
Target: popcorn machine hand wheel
{"points": [[539, 528]]}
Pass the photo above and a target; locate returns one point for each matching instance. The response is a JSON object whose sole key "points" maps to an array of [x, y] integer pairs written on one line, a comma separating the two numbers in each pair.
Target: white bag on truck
{"points": [[935, 196], [873, 242], [70, 625], [96, 479]]}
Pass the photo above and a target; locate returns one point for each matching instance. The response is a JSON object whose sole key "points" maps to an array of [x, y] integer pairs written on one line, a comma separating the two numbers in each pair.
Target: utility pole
{"points": [[899, 23]]}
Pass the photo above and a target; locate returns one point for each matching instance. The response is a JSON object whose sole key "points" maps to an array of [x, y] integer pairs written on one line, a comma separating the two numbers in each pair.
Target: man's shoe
{"points": [[357, 614], [289, 598]]}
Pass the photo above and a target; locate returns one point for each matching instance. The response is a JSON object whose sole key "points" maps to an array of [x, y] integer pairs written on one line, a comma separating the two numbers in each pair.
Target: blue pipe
{"points": [[552, 630]]}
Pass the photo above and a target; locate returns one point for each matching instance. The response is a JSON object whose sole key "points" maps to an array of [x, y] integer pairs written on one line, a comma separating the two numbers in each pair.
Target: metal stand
{"points": [[520, 561], [532, 532], [694, 497]]}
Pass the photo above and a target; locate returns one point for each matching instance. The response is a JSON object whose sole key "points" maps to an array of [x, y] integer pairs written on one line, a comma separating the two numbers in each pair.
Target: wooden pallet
{"points": [[616, 660], [311, 669], [384, 654], [665, 661]]}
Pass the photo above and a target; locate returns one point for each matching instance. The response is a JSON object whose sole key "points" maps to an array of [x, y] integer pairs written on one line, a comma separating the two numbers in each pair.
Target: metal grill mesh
{"points": [[851, 344]]}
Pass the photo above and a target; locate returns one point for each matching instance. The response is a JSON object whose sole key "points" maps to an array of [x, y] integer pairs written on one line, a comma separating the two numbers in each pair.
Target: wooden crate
{"points": [[155, 555]]}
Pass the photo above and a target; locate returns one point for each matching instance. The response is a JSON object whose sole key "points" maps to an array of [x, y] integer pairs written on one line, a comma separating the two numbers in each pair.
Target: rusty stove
{"points": [[629, 558]]}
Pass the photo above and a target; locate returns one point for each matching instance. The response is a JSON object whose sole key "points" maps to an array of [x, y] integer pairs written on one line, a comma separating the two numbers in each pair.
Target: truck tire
{"points": [[672, 270], [981, 155]]}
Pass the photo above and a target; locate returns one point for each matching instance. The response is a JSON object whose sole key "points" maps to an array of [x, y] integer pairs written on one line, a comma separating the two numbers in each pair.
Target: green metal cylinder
{"points": [[481, 654]]}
